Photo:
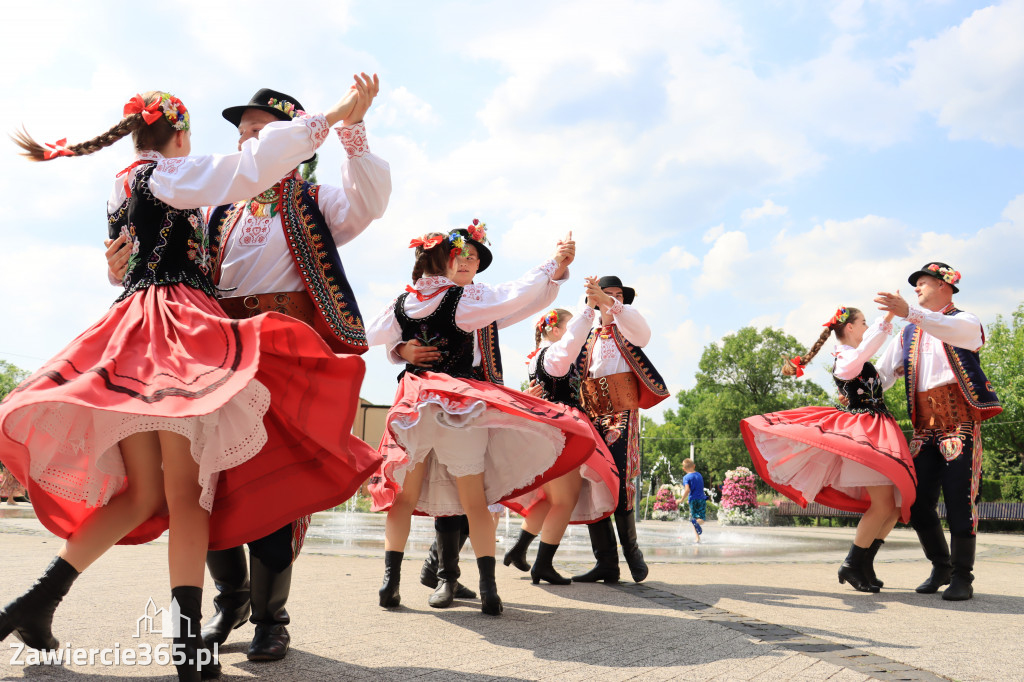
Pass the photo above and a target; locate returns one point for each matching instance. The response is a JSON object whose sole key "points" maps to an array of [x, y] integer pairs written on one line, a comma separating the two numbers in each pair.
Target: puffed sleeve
{"points": [[384, 330], [962, 330], [365, 188], [631, 323], [850, 362], [196, 181], [889, 364], [482, 304], [563, 353]]}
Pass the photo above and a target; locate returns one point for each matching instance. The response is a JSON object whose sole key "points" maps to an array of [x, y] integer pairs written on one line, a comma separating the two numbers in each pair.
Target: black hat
{"points": [[482, 252], [939, 271], [283, 106], [628, 293]]}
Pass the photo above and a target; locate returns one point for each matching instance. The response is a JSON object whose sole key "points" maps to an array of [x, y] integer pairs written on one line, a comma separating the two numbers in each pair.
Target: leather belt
{"points": [[295, 304]]}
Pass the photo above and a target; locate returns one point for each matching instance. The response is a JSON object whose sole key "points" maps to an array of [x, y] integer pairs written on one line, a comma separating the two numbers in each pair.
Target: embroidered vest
{"points": [[168, 245], [490, 355], [564, 389], [312, 249], [439, 329], [966, 365], [864, 392], [652, 386]]}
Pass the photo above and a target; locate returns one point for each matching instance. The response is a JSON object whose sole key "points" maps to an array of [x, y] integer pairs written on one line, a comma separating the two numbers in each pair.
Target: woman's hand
{"points": [[596, 295], [565, 253], [418, 355], [117, 257], [535, 389]]}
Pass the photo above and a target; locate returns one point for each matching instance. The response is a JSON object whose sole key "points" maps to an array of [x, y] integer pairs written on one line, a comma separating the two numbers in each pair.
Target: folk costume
{"points": [[948, 396], [456, 416], [278, 251], [553, 367], [618, 380], [831, 454]]}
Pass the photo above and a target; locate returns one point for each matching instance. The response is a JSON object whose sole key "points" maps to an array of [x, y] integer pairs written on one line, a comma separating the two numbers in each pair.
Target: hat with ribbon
{"points": [[938, 270], [628, 293]]}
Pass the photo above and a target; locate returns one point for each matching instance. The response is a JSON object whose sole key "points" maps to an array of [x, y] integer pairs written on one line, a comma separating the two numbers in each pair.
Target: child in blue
{"points": [[693, 488]]}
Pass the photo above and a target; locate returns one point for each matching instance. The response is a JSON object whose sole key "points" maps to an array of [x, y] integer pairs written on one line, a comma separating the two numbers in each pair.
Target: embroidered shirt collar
{"points": [[432, 283], [149, 155]]}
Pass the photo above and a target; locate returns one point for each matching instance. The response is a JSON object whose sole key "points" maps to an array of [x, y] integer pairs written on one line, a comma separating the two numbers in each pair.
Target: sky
{"points": [[738, 163]]}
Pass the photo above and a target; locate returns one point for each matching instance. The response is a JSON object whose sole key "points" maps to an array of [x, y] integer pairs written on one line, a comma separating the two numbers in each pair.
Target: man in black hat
{"points": [[948, 397], [618, 380], [260, 247]]}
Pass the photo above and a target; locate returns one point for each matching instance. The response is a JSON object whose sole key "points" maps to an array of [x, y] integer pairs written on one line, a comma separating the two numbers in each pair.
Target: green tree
{"points": [[738, 377], [10, 376], [1002, 358]]}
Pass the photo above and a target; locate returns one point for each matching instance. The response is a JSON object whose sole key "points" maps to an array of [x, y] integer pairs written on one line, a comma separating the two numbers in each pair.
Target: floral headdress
{"points": [[476, 230], [426, 241], [946, 274], [168, 106], [548, 321], [841, 316]]}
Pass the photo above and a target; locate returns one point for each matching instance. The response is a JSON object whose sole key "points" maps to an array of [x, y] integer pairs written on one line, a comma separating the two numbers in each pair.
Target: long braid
{"points": [[536, 337], [34, 151], [790, 368]]}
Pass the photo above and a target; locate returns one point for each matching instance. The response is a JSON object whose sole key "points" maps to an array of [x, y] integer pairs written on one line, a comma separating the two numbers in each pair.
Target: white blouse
{"points": [[562, 354], [962, 330], [606, 359], [850, 361]]}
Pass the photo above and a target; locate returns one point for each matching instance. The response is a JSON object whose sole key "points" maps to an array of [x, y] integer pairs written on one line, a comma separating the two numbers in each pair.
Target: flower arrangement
{"points": [[666, 508], [739, 498], [947, 275], [549, 321], [283, 105], [841, 316]]}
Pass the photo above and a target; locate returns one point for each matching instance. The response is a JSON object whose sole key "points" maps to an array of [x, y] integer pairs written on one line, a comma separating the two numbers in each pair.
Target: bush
{"points": [[1012, 488], [991, 490]]}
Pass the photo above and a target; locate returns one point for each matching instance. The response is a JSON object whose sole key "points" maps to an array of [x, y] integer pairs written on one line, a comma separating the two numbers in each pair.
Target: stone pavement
{"points": [[709, 616]]}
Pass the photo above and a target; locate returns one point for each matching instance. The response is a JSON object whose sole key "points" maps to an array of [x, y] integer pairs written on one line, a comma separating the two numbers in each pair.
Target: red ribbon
{"points": [[423, 297], [427, 244], [58, 148], [137, 105], [127, 171], [799, 364]]}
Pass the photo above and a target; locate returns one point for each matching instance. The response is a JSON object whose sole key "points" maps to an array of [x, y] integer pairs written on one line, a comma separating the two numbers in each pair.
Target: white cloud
{"points": [[724, 263], [768, 208], [714, 233]]}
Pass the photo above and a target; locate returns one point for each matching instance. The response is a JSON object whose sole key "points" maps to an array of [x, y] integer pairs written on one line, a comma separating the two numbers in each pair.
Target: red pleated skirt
{"points": [[831, 456], [519, 442], [266, 405]]}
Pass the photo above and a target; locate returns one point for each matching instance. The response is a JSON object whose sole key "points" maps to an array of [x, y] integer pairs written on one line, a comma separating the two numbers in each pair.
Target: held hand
{"points": [[596, 295], [366, 88], [565, 252], [535, 390], [117, 256], [893, 303], [415, 353], [888, 318]]}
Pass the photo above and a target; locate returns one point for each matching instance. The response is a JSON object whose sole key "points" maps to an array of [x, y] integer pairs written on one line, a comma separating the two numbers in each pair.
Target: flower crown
{"points": [[841, 316], [168, 106], [477, 232], [284, 106], [549, 321], [947, 275]]}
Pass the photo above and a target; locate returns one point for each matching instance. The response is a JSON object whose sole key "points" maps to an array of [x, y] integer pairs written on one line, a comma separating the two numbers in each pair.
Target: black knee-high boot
{"points": [[30, 616], [602, 540], [230, 574], [625, 523], [447, 570], [852, 571], [490, 602], [961, 584], [868, 567], [542, 567], [192, 659], [933, 541], [429, 571], [516, 555], [270, 590], [389, 597]]}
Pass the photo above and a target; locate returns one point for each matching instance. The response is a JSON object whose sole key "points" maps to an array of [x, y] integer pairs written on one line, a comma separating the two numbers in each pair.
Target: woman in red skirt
{"points": [[455, 442], [854, 457], [166, 414]]}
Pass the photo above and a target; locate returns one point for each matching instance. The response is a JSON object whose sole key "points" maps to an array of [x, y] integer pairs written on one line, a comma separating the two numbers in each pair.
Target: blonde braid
{"points": [[790, 369]]}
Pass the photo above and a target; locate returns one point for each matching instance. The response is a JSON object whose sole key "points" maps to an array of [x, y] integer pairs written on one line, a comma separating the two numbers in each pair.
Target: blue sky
{"points": [[737, 162]]}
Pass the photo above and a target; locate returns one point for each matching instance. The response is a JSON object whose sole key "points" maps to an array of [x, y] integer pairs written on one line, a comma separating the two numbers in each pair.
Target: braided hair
{"points": [[790, 368], [145, 136]]}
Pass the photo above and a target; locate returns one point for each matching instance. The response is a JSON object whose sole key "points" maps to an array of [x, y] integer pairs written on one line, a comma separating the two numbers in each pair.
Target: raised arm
{"points": [[850, 362], [561, 355]]}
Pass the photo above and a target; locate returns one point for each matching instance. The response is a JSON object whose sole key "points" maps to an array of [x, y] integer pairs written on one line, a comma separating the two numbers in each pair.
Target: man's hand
{"points": [[596, 295], [535, 389], [565, 253], [893, 303], [415, 353], [117, 257], [366, 89]]}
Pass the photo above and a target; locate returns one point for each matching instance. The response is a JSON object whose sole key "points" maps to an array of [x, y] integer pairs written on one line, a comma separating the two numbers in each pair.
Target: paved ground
{"points": [[713, 612]]}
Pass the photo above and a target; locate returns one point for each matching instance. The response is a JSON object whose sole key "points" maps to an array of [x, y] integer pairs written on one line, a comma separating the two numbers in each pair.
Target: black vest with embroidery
{"points": [[966, 366], [439, 329], [564, 390], [652, 386], [312, 249], [168, 245], [863, 393], [489, 368]]}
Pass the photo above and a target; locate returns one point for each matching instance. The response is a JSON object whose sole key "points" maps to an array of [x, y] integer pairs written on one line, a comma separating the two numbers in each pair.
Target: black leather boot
{"points": [[516, 555], [269, 596], [625, 523], [30, 616], [193, 660], [428, 574], [960, 586], [852, 571], [447, 569], [490, 602], [868, 567], [542, 568], [602, 540], [230, 574], [933, 541], [389, 597]]}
